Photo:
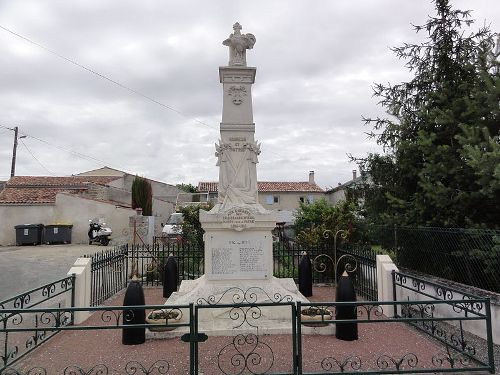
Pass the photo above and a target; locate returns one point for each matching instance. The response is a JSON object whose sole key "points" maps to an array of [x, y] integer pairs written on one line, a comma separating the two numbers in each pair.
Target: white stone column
{"points": [[385, 266], [82, 288]]}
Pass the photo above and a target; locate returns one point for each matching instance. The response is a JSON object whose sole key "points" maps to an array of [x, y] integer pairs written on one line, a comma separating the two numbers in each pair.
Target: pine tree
{"points": [[441, 158]]}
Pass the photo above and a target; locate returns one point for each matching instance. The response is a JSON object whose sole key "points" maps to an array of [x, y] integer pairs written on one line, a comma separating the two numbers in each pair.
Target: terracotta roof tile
{"points": [[43, 190], [32, 195], [59, 181], [265, 186]]}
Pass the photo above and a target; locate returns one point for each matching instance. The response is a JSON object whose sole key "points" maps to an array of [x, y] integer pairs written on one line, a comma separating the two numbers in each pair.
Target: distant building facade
{"points": [[101, 193], [339, 193], [279, 196]]}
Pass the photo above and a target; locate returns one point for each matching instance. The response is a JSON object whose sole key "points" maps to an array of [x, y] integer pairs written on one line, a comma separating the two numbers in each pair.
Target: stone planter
{"points": [[162, 317], [315, 316]]}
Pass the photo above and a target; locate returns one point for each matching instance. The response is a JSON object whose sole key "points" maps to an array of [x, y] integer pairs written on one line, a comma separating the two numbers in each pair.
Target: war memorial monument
{"points": [[238, 239]]}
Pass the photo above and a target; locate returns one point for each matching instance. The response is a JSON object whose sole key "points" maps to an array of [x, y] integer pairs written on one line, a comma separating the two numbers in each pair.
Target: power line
{"points": [[34, 157], [100, 75], [72, 152]]}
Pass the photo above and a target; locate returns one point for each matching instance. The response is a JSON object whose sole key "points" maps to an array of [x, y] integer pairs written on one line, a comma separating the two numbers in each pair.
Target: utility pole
{"points": [[13, 167]]}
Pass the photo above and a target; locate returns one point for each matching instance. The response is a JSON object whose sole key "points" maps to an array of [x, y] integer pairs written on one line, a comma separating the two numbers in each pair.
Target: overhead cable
{"points": [[100, 75]]}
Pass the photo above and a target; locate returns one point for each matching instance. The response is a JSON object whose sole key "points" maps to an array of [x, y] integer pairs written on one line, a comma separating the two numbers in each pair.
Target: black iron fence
{"points": [[468, 256], [287, 257], [249, 348], [112, 269], [148, 261], [30, 334], [109, 271], [462, 335]]}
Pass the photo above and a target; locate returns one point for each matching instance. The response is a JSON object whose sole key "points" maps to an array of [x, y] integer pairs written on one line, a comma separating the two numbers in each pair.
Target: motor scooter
{"points": [[98, 233]]}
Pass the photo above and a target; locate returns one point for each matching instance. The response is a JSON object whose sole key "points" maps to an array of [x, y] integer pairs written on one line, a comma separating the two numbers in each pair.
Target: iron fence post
{"points": [[126, 264], [5, 356], [297, 340], [73, 280], [394, 298], [489, 334], [192, 333]]}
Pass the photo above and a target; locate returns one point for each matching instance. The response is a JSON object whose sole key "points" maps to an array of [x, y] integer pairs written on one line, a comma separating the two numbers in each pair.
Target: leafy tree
{"points": [[189, 188], [441, 160], [142, 195], [313, 219], [191, 227]]}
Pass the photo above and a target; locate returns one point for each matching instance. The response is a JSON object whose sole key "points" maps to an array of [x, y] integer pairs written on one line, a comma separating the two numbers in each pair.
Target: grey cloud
{"points": [[316, 62]]}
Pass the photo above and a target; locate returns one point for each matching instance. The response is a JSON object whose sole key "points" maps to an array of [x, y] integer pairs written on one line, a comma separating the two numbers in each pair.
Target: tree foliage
{"points": [[188, 188], [316, 223], [142, 195], [191, 227], [441, 160]]}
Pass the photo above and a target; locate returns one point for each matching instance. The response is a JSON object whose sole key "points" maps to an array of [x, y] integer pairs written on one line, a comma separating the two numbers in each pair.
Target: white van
{"points": [[172, 230]]}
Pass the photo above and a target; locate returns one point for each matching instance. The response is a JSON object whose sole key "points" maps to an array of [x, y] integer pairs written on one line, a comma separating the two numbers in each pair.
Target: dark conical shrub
{"points": [[142, 195]]}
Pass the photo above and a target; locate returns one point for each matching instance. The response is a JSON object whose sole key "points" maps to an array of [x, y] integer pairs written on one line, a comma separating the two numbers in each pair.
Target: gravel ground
{"points": [[271, 353]]}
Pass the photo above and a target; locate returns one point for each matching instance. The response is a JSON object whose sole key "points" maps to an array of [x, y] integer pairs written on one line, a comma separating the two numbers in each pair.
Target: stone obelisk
{"points": [[238, 239]]}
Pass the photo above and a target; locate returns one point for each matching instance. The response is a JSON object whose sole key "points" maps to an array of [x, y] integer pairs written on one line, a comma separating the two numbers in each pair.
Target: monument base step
{"points": [[267, 328], [217, 318]]}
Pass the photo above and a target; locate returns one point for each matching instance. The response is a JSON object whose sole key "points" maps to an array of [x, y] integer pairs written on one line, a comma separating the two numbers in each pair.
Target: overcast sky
{"points": [[316, 64]]}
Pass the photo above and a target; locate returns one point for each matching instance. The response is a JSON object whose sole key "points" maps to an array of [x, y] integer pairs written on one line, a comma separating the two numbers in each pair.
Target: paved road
{"points": [[27, 267]]}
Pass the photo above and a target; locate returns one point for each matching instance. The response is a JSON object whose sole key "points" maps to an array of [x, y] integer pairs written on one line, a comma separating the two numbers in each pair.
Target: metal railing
{"points": [[287, 258], [113, 268], [251, 349], [109, 271], [460, 303], [13, 347], [467, 256], [149, 261]]}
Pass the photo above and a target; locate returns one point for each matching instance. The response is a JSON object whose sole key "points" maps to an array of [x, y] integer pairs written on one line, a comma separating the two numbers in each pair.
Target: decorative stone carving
{"points": [[237, 92], [238, 44], [236, 78], [238, 218], [237, 173]]}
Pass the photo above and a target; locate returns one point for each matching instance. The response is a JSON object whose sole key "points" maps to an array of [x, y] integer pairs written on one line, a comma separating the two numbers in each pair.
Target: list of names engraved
{"points": [[251, 259], [238, 257], [222, 261]]}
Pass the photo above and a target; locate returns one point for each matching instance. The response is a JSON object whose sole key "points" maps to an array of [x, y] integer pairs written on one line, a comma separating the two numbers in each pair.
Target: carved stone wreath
{"points": [[237, 92]]}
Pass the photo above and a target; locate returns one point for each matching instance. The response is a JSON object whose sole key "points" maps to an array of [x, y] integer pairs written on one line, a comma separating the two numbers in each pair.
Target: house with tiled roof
{"points": [[339, 193], [62, 200], [102, 193], [277, 195]]}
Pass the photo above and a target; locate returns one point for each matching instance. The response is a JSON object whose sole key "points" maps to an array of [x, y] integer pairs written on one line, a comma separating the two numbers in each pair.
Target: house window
{"points": [[301, 199], [310, 198], [271, 199]]}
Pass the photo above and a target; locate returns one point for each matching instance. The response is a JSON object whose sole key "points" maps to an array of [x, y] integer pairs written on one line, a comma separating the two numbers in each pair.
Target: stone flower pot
{"points": [[315, 316], [162, 317]]}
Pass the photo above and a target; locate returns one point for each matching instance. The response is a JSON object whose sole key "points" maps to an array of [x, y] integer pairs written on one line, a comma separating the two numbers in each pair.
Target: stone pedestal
{"points": [[238, 270], [238, 244]]}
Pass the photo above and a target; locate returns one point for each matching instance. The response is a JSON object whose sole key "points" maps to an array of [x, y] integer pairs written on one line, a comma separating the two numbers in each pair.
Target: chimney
{"points": [[353, 174], [311, 177]]}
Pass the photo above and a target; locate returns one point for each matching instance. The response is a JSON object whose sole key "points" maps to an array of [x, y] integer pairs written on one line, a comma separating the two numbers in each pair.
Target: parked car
{"points": [[172, 230]]}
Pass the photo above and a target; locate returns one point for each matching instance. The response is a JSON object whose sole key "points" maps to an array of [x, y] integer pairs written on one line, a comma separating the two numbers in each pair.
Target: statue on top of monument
{"points": [[238, 44]]}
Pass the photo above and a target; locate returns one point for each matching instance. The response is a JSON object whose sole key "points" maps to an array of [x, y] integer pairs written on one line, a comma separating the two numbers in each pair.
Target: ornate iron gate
{"points": [[259, 338]]}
